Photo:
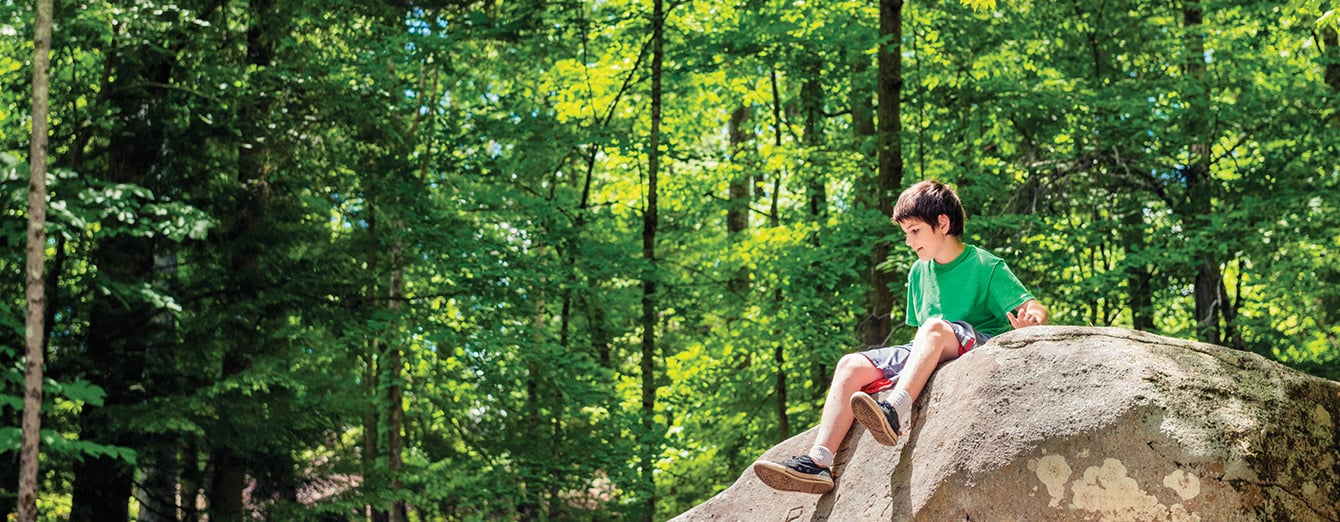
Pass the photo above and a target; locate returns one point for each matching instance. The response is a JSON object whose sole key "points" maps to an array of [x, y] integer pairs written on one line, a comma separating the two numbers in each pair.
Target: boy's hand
{"points": [[1031, 313], [1023, 320]]}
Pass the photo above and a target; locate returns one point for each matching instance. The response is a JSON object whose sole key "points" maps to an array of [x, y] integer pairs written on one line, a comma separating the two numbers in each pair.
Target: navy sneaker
{"points": [[795, 474], [877, 416]]}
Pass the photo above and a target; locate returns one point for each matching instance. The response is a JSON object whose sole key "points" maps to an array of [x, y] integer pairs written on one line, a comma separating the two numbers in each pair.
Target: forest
{"points": [[434, 260]]}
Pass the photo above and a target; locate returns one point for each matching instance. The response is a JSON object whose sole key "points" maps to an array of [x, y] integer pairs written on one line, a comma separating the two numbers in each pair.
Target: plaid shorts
{"points": [[891, 359]]}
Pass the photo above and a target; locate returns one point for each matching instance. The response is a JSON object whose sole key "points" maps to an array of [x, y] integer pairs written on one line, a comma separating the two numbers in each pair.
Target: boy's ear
{"points": [[942, 223]]}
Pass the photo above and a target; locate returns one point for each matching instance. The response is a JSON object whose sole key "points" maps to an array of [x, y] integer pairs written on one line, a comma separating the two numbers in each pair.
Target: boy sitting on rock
{"points": [[958, 297]]}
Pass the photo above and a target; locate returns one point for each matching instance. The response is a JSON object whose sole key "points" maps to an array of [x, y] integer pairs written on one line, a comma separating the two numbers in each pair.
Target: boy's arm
{"points": [[1031, 313]]}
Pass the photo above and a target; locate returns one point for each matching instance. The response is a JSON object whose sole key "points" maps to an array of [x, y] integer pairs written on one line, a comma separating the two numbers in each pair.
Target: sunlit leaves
{"points": [[518, 198], [980, 5]]}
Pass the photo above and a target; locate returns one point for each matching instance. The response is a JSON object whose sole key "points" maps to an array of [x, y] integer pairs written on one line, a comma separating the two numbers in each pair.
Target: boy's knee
{"points": [[852, 362], [939, 336], [938, 328]]}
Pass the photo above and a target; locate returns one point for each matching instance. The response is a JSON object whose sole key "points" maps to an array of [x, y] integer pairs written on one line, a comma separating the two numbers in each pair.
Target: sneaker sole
{"points": [[783, 478], [867, 412]]}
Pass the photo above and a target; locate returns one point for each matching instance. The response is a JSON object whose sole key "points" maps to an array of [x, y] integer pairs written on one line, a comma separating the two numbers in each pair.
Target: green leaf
{"points": [[11, 438], [82, 391]]}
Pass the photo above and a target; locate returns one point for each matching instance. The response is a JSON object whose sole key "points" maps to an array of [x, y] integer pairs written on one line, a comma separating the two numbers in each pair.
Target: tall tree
{"points": [[650, 432], [228, 461], [1199, 182], [403, 158], [122, 330], [774, 221], [34, 329], [876, 325]]}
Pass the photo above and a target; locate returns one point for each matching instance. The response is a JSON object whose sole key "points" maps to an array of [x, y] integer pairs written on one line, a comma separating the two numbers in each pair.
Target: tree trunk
{"points": [[226, 483], [1138, 285], [372, 362], [1229, 308], [538, 499], [877, 324], [101, 484], [395, 414], [1199, 185], [158, 481], [35, 284], [650, 446], [227, 463], [862, 111], [737, 211], [812, 110], [120, 329], [371, 448], [529, 503], [117, 333], [601, 337], [812, 107], [192, 479], [395, 367], [779, 348], [600, 334]]}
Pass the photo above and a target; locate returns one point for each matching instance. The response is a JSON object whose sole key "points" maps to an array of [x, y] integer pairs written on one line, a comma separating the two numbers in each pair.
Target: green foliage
{"points": [[262, 223], [54, 442], [132, 206]]}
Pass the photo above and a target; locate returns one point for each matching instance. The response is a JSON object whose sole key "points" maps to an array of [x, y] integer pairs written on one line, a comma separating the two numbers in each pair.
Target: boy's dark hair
{"points": [[928, 199]]}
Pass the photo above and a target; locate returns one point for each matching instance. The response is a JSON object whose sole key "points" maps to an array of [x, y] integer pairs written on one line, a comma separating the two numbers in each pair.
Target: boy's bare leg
{"points": [[935, 343], [853, 372], [811, 473]]}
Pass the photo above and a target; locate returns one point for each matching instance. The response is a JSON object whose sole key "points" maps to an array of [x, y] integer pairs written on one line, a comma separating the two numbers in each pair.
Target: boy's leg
{"points": [[936, 342], [854, 371], [809, 473]]}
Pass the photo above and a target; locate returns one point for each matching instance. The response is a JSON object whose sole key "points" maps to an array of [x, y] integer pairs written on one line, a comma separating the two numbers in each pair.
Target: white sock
{"points": [[822, 456], [902, 403]]}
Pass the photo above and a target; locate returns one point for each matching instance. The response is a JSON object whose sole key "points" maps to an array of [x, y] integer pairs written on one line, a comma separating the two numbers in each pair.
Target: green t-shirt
{"points": [[977, 287]]}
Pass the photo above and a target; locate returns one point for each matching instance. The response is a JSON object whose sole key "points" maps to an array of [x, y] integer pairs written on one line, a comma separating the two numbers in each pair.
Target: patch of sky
{"points": [[416, 24]]}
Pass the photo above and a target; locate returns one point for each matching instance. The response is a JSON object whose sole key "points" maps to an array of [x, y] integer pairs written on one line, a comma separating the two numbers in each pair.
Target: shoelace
{"points": [[894, 420]]}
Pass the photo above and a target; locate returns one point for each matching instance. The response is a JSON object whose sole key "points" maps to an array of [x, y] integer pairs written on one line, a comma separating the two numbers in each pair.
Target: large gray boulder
{"points": [[1068, 423]]}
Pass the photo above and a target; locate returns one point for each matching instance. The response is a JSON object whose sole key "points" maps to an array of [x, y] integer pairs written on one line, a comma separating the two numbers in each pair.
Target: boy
{"points": [[958, 296]]}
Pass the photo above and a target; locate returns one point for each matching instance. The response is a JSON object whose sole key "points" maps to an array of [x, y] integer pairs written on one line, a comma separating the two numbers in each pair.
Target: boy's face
{"points": [[927, 240]]}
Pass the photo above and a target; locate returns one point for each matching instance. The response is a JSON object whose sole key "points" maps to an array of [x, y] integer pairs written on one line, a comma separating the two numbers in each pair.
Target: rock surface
{"points": [[1069, 423]]}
